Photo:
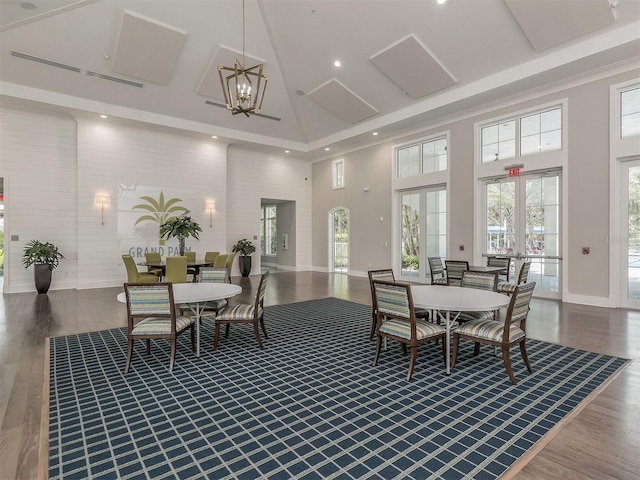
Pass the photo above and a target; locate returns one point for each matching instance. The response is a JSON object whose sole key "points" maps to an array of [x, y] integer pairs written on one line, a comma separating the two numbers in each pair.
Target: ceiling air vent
{"points": [[115, 79], [44, 61]]}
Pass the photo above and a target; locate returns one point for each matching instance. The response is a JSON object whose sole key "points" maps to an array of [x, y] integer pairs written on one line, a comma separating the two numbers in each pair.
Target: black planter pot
{"points": [[244, 262], [42, 277]]}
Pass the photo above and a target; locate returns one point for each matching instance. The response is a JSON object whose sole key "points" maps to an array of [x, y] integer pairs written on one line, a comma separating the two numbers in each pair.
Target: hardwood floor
{"points": [[600, 442]]}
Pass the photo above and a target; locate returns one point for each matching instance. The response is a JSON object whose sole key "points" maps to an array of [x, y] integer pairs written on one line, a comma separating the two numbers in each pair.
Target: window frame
{"points": [[420, 145], [338, 174]]}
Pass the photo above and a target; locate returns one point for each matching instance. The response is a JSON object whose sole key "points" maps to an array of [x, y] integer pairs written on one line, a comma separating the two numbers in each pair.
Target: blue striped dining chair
{"points": [[151, 314], [505, 335], [396, 320]]}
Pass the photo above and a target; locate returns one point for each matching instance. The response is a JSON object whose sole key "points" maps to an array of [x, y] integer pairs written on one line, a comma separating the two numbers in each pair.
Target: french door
{"points": [[522, 221], [628, 240]]}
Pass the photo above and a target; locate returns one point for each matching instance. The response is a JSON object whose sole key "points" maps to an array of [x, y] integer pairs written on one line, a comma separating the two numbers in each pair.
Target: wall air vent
{"points": [[44, 61], [222, 105], [115, 79]]}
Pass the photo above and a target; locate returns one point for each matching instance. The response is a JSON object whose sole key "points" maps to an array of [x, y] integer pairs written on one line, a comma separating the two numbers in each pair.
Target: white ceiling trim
{"points": [[50, 13]]}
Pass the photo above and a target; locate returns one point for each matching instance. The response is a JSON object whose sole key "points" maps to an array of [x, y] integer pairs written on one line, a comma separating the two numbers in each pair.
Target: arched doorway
{"points": [[339, 240]]}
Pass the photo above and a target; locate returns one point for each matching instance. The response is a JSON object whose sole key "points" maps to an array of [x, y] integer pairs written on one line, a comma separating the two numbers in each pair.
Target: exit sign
{"points": [[514, 172]]}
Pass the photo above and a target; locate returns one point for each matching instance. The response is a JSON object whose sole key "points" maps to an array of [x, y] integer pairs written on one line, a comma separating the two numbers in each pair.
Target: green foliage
{"points": [[244, 247], [182, 226], [37, 252], [410, 262]]}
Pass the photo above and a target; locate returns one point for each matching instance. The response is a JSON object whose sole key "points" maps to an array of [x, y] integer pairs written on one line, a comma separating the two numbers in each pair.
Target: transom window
{"points": [[630, 112], [424, 157], [337, 173], [527, 134]]}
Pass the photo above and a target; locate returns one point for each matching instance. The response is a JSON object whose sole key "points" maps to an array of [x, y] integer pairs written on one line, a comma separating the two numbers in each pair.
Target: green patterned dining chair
{"points": [[504, 262], [508, 288], [151, 314], [436, 269], [505, 334], [454, 270], [396, 320], [244, 313], [386, 274]]}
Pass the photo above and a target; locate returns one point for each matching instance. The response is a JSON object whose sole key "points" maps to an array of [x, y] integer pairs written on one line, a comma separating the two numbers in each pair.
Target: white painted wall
{"points": [[253, 176]]}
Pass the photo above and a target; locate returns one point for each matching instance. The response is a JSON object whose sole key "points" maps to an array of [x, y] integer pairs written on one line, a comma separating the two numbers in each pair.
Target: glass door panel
{"points": [[340, 241], [522, 221], [410, 237], [629, 239]]}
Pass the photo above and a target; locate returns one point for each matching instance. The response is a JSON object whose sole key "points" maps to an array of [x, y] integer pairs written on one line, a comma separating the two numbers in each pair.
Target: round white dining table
{"points": [[195, 296], [446, 299]]}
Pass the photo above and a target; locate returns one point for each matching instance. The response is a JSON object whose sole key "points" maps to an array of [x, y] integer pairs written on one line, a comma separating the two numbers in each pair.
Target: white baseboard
{"points": [[588, 300]]}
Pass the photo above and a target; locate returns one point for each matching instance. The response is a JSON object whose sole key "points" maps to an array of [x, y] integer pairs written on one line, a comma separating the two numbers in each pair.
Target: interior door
{"points": [[628, 240], [522, 221]]}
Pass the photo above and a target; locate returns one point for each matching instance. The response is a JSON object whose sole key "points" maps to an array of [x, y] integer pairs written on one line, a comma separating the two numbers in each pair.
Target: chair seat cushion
{"points": [[490, 330], [160, 325], [506, 287], [402, 329], [238, 312], [469, 316]]}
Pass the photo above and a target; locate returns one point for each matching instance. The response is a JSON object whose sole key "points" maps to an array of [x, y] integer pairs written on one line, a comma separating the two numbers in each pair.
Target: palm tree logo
{"points": [[160, 209]]}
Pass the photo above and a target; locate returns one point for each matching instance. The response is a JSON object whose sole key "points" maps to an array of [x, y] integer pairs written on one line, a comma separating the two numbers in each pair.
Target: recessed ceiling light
{"points": [[103, 116], [337, 63], [286, 151], [442, 2], [374, 133], [214, 136], [327, 149]]}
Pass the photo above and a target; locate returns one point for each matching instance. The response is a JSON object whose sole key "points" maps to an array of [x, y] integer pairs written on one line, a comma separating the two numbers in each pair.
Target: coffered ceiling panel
{"points": [[342, 102], [550, 23], [147, 49], [410, 65]]}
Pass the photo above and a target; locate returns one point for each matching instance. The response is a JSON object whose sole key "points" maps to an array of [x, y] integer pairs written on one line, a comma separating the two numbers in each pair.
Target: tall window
{"points": [[337, 173], [268, 234], [630, 112], [527, 134], [424, 157]]}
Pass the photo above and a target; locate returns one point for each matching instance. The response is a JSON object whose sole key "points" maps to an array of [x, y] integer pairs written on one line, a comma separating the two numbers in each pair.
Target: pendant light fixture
{"points": [[243, 87]]}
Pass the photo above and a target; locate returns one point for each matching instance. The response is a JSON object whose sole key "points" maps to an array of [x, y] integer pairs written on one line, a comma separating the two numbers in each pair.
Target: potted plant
{"points": [[244, 248], [44, 256], [180, 227]]}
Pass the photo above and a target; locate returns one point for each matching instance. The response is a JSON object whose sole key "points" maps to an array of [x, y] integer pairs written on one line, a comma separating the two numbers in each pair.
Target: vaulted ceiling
{"points": [[403, 62]]}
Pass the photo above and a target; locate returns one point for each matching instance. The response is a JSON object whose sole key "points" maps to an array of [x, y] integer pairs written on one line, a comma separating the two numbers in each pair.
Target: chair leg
{"points": [[148, 346], [216, 335], [404, 348], [264, 330], [374, 321], [193, 338], [507, 364], [454, 355], [523, 352], [476, 349], [173, 354], [378, 346], [129, 353], [412, 361], [226, 330], [257, 333]]}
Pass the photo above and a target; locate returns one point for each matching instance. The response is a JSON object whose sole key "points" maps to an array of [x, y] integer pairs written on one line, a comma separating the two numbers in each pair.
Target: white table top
{"points": [[457, 299], [198, 292]]}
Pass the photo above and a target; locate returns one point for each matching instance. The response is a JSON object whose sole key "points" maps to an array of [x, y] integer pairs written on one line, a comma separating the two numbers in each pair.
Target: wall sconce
{"points": [[211, 207], [102, 199]]}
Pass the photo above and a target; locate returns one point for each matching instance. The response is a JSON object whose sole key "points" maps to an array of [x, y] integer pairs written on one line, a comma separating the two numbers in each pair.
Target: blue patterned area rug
{"points": [[308, 406]]}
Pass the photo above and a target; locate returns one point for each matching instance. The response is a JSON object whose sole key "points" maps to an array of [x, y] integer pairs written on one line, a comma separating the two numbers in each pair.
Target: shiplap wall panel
{"points": [[112, 155], [253, 176], [38, 160]]}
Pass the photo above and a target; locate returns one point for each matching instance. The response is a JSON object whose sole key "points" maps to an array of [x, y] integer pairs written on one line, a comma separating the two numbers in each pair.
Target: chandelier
{"points": [[243, 88]]}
